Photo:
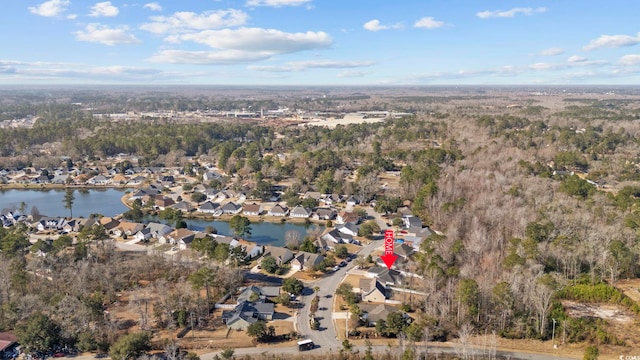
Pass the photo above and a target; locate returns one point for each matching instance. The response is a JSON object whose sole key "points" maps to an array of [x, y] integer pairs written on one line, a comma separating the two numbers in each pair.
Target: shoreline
{"points": [[194, 215]]}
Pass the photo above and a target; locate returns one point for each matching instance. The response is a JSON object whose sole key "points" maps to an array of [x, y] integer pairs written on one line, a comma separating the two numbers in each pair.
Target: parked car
{"points": [[336, 268], [343, 264]]}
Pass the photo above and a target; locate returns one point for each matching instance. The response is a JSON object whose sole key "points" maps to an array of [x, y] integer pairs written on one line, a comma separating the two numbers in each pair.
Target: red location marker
{"points": [[389, 257]]}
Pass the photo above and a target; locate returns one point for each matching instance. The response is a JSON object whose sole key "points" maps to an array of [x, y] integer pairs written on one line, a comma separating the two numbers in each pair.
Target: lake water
{"points": [[50, 202], [107, 202]]}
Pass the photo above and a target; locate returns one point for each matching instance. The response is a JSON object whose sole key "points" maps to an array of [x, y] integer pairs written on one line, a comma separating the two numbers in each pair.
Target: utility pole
{"points": [[553, 334], [193, 331]]}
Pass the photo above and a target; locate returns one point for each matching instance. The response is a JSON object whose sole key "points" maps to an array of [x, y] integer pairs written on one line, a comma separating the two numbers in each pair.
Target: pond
{"points": [[107, 202]]}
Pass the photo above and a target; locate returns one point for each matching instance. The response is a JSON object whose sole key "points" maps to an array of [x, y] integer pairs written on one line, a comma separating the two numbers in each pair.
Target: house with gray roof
{"points": [[281, 254], [372, 290], [247, 313], [306, 261], [209, 207], [324, 214], [278, 210], [300, 212], [231, 208], [386, 276]]}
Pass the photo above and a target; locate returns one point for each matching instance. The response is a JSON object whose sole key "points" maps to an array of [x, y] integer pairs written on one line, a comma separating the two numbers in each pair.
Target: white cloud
{"points": [[612, 41], [546, 66], [277, 3], [106, 35], [351, 74], [312, 64], [374, 25], [185, 21], [72, 16], [428, 23], [554, 51], [576, 59], [104, 9], [241, 45], [153, 6], [50, 8], [258, 39], [630, 60], [222, 57], [509, 13]]}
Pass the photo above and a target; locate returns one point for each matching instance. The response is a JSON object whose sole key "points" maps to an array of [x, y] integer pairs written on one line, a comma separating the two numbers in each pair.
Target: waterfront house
{"points": [[278, 210], [252, 209], [209, 207], [158, 229], [347, 217], [231, 208], [324, 214], [300, 212]]}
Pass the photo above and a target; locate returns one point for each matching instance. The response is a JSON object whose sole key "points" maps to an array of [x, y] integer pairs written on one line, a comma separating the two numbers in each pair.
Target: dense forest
{"points": [[536, 204]]}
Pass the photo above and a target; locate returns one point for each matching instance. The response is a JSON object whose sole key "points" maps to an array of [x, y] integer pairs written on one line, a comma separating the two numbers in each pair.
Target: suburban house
{"points": [[263, 292], [252, 209], [281, 254], [209, 208], [180, 237], [50, 223], [337, 237], [347, 217], [221, 239], [252, 250], [231, 208], [312, 195], [211, 175], [324, 214], [164, 203], [142, 235], [109, 224], [158, 229], [119, 179], [403, 251], [183, 206], [373, 313], [7, 342], [211, 193], [412, 222], [127, 228], [324, 245], [306, 261], [300, 212], [138, 180], [348, 228], [99, 180], [372, 290], [247, 313], [353, 200], [278, 210], [386, 276]]}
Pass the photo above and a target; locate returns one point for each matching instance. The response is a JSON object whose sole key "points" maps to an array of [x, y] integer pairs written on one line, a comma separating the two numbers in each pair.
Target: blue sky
{"points": [[320, 42]]}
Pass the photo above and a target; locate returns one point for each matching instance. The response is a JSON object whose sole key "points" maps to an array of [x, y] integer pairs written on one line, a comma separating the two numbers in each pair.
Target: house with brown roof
{"points": [[347, 217], [164, 203], [180, 237], [127, 228], [252, 209]]}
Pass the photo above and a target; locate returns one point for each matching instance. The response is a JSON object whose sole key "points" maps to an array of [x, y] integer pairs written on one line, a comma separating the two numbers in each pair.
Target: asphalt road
{"points": [[430, 348], [326, 337]]}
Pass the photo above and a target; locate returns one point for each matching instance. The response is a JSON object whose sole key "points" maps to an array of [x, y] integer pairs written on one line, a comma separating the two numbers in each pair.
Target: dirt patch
{"points": [[607, 312], [631, 288]]}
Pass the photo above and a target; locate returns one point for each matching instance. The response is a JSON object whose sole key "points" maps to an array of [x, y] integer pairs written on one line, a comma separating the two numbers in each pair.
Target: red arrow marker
{"points": [[389, 257]]}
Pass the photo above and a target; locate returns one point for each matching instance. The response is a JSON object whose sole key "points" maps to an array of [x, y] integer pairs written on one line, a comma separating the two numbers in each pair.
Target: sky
{"points": [[320, 42]]}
